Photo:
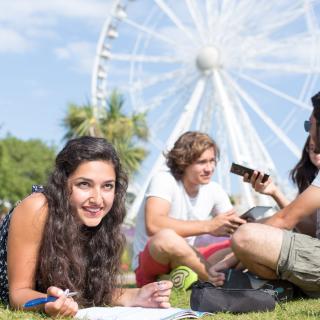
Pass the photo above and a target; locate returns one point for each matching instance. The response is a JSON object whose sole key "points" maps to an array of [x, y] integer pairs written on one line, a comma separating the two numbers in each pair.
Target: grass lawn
{"points": [[299, 310]]}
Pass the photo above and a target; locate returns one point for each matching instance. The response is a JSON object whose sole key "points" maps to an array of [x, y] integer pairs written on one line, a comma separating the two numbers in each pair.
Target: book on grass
{"points": [[136, 313]]}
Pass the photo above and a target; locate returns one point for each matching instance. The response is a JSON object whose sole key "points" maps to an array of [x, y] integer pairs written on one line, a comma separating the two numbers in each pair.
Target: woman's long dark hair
{"points": [[304, 171], [73, 256], [316, 113]]}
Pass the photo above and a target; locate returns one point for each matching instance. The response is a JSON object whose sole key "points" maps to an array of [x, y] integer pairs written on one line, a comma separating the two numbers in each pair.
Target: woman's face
{"points": [[92, 191], [314, 157], [313, 129]]}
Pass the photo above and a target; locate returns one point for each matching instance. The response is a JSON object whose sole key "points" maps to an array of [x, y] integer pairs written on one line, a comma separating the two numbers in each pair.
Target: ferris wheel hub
{"points": [[207, 59]]}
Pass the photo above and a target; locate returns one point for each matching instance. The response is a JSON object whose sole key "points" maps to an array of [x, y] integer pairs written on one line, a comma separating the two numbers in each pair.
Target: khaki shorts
{"points": [[299, 262]]}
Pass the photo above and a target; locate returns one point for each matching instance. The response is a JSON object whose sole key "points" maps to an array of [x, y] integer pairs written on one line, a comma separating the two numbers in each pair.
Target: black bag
{"points": [[206, 297], [283, 290]]}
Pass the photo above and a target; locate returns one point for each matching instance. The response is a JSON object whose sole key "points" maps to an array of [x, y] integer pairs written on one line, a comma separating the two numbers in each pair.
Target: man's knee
{"points": [[259, 241], [166, 241], [245, 236]]}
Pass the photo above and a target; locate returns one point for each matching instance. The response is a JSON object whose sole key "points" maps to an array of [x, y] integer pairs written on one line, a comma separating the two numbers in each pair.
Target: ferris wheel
{"points": [[241, 70]]}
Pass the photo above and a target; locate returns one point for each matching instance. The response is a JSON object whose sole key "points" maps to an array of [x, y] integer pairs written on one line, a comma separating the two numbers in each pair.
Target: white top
{"points": [[316, 183], [210, 201]]}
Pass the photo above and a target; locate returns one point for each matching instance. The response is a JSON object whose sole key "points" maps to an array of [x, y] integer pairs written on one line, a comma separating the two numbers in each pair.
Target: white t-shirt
{"points": [[316, 183], [210, 201]]}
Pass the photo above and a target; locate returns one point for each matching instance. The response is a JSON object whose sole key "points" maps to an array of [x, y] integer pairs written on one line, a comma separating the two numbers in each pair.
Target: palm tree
{"points": [[124, 132], [81, 121]]}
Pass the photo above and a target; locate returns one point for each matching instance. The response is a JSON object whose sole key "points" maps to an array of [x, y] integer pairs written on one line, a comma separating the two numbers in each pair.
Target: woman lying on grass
{"points": [[68, 237]]}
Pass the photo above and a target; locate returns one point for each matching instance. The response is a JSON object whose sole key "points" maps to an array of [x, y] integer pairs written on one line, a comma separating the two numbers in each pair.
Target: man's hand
{"points": [[215, 275], [225, 224]]}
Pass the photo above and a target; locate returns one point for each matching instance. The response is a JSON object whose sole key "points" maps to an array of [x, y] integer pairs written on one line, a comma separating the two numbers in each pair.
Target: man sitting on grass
{"points": [[180, 204], [272, 250]]}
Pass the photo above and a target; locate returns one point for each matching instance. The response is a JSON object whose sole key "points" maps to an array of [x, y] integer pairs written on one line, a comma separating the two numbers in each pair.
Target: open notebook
{"points": [[136, 313]]}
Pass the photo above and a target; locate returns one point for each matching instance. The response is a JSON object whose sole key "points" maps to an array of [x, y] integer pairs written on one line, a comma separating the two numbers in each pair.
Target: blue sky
{"points": [[46, 56]]}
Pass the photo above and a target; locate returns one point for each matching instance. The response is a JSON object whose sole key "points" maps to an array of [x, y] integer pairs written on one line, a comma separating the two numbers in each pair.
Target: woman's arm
{"points": [[268, 188], [152, 295], [24, 239]]}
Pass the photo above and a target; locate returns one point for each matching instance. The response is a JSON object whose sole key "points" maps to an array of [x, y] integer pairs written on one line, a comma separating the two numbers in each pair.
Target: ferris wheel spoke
{"points": [[188, 111], [312, 21], [151, 81], [263, 157], [264, 117], [227, 7], [166, 116], [311, 78], [205, 117], [162, 5], [281, 67], [150, 32], [226, 104], [174, 98], [233, 13], [230, 123], [196, 18], [213, 19], [274, 91], [313, 27], [183, 124], [173, 90], [307, 89], [287, 18], [210, 7], [186, 122], [288, 44], [144, 58]]}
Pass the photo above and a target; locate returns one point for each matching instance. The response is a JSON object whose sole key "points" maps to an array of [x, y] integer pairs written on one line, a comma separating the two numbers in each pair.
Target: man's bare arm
{"points": [[303, 206], [157, 218]]}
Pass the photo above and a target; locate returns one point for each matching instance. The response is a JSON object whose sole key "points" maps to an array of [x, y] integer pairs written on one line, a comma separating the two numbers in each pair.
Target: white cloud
{"points": [[25, 22], [62, 53], [17, 12], [80, 53], [12, 41]]}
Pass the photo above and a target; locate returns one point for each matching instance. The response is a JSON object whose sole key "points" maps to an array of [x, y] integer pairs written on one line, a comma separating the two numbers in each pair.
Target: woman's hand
{"points": [[267, 187], [63, 306], [153, 295]]}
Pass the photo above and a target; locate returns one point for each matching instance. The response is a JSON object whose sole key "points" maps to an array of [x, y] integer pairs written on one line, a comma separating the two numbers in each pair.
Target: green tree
{"points": [[124, 132], [22, 164], [82, 121]]}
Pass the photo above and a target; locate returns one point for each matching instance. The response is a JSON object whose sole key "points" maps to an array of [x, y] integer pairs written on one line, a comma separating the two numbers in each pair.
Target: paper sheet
{"points": [[135, 313]]}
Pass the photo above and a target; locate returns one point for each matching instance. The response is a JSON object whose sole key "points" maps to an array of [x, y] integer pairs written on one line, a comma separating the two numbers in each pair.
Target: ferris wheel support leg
{"points": [[183, 124], [230, 125]]}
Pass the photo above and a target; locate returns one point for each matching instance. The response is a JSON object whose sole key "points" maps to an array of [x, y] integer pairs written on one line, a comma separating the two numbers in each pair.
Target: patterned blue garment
{"points": [[4, 289]]}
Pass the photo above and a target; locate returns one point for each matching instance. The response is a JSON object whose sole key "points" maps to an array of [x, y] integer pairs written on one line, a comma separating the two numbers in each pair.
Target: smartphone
{"points": [[241, 171], [255, 213]]}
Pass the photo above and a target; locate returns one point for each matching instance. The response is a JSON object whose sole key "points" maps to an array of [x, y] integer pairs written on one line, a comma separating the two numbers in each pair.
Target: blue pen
{"points": [[38, 301]]}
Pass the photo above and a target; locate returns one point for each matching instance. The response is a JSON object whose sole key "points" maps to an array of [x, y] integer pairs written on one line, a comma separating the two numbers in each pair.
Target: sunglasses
{"points": [[307, 125], [310, 149]]}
